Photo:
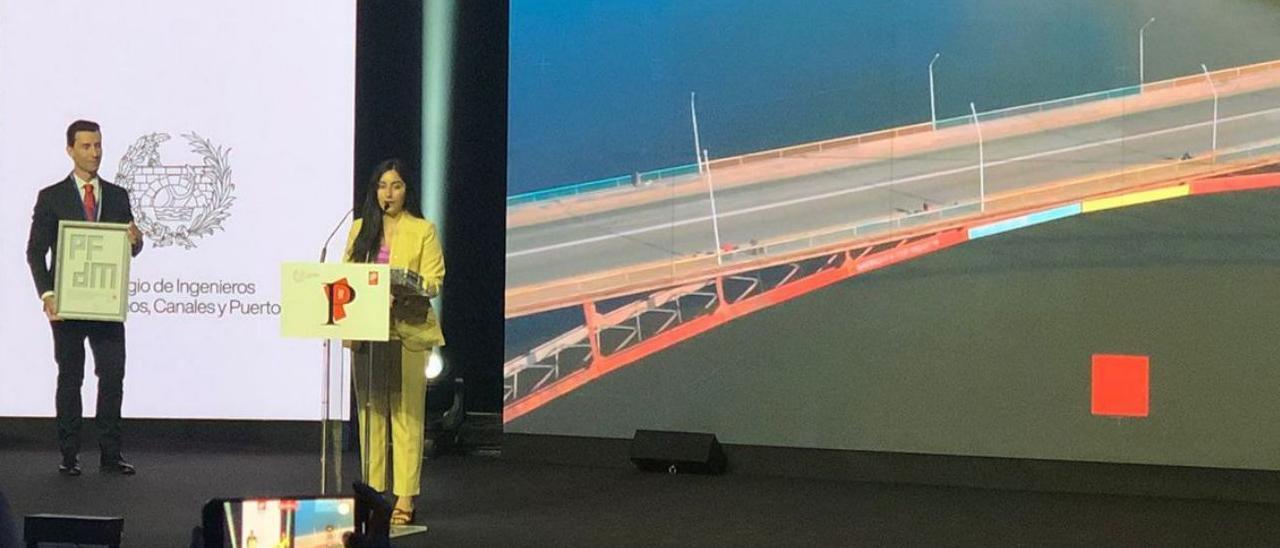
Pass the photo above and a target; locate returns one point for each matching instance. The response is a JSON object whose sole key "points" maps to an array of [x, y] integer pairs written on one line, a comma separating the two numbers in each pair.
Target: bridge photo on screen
{"points": [[925, 231]]}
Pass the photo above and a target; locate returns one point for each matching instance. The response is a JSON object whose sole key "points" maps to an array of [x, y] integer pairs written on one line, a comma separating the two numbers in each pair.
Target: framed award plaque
{"points": [[92, 271]]}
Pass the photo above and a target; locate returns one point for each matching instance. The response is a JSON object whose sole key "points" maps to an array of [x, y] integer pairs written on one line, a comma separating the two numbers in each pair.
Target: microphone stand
{"points": [[328, 389], [324, 250]]}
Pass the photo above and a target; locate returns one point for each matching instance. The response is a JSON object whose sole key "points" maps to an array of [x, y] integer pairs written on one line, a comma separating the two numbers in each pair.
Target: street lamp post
{"points": [[715, 218], [933, 110], [982, 164], [697, 148], [1214, 88], [1142, 54]]}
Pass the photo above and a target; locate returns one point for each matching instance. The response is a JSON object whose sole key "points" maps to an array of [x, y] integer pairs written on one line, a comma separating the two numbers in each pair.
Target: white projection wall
{"points": [[233, 122]]}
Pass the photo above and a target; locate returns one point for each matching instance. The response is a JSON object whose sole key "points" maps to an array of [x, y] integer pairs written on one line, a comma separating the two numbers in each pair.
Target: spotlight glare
{"points": [[435, 365]]}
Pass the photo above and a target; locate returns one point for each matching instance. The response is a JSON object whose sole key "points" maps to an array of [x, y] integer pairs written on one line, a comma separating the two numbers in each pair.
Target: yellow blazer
{"points": [[415, 248]]}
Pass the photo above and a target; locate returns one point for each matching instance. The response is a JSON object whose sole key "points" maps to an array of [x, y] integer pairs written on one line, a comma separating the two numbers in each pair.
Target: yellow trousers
{"points": [[394, 396]]}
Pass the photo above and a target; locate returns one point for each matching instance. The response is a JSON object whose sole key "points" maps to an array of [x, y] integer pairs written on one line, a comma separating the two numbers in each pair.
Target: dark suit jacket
{"points": [[61, 201]]}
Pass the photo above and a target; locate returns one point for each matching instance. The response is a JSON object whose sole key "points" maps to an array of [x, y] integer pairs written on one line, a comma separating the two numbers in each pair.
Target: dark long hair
{"points": [[365, 249]]}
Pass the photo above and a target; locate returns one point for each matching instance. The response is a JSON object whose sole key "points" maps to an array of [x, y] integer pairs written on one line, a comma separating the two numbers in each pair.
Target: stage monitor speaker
{"points": [[78, 530], [677, 452]]}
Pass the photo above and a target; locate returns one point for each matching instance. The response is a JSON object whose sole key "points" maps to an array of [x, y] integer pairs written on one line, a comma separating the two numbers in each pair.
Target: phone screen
{"points": [[302, 522]]}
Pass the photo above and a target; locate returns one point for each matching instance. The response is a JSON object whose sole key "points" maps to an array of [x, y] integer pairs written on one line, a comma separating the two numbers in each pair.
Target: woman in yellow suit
{"points": [[391, 230]]}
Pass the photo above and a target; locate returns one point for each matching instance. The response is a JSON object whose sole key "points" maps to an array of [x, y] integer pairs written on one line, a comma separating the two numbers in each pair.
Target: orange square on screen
{"points": [[1121, 385], [373, 277]]}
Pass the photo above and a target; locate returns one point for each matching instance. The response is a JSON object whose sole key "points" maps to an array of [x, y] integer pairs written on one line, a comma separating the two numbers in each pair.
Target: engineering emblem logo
{"points": [[177, 204]]}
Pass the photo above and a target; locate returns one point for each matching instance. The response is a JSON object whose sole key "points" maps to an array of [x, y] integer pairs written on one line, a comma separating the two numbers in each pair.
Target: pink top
{"points": [[384, 254]]}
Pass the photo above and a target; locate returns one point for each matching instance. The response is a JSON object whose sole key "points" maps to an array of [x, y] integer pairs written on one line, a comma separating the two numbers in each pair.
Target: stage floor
{"points": [[487, 501]]}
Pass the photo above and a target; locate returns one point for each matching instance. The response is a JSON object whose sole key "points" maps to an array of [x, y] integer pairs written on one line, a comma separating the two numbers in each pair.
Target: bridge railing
{"points": [[638, 179], [1042, 106], [1219, 76]]}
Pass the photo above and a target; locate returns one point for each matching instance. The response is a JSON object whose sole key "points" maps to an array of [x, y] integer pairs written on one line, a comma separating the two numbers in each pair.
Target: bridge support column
{"points": [[724, 304], [592, 320]]}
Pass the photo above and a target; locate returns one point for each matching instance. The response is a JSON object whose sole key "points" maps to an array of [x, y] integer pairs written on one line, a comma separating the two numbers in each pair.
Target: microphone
{"points": [[324, 250]]}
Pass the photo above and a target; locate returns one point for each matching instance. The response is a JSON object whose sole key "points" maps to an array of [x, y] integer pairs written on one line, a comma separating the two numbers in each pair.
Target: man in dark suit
{"points": [[82, 196]]}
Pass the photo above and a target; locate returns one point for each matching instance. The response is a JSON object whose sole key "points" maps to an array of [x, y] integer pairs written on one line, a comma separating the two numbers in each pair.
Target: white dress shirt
{"points": [[97, 192]]}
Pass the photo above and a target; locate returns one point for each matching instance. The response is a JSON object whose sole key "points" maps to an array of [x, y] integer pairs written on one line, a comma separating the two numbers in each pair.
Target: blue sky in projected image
{"points": [[601, 88]]}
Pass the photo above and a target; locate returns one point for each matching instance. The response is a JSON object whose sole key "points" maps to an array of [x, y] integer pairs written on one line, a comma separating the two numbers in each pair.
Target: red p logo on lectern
{"points": [[339, 294]]}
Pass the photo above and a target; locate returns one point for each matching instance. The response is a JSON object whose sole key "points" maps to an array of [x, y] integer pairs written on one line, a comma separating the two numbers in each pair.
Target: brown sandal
{"points": [[400, 516]]}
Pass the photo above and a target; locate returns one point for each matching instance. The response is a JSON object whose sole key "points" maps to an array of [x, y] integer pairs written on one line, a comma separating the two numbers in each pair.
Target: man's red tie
{"points": [[90, 204]]}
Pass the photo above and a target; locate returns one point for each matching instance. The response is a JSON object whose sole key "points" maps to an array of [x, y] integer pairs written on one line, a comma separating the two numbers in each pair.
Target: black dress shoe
{"points": [[118, 466], [69, 467]]}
